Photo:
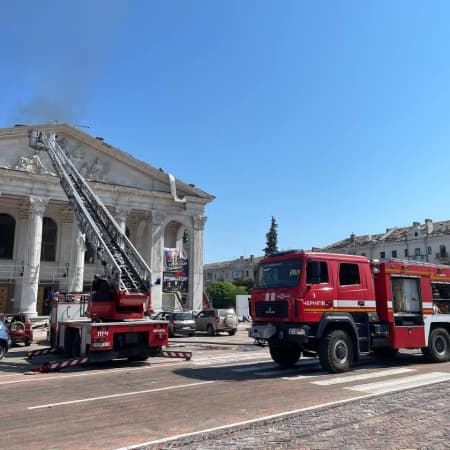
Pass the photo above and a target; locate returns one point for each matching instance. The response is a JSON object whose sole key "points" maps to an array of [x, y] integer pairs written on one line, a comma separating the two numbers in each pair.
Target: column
{"points": [[196, 264], [65, 250], [121, 215], [76, 270], [32, 256], [156, 237], [23, 215]]}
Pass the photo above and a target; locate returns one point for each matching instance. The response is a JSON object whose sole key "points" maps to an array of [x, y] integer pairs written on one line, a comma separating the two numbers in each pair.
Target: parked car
{"points": [[19, 328], [180, 322], [5, 340], [216, 320]]}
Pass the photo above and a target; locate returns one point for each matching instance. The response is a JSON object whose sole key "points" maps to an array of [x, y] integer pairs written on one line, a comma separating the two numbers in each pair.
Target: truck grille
{"points": [[267, 310]]}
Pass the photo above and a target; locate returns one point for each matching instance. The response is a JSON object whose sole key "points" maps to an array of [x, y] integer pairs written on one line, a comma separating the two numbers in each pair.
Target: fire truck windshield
{"points": [[278, 274]]}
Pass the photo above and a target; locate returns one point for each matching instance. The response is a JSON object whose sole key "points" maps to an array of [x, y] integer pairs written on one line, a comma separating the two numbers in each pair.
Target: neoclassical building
{"points": [[41, 246]]}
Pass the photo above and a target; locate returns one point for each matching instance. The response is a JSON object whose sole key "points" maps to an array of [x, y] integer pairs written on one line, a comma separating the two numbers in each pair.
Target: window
{"points": [[406, 295], [316, 272], [7, 230], [382, 255], [429, 250], [348, 274], [441, 298], [417, 251], [406, 252], [279, 274], [49, 235], [394, 253], [363, 254], [442, 251], [237, 274]]}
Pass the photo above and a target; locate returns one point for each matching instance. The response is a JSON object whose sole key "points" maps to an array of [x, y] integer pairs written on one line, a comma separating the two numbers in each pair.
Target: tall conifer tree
{"points": [[272, 238]]}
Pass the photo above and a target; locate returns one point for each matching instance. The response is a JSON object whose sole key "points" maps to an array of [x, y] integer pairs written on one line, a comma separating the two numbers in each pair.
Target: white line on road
{"points": [[283, 371], [364, 376], [397, 384], [255, 367], [246, 422], [233, 357], [125, 394], [59, 376]]}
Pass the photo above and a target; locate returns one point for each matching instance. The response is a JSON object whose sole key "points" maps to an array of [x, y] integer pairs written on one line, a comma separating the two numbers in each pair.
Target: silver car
{"points": [[180, 322], [215, 320]]}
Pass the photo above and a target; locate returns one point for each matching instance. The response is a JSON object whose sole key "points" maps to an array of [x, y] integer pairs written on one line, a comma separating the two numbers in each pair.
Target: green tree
{"points": [[247, 283], [271, 238], [222, 294]]}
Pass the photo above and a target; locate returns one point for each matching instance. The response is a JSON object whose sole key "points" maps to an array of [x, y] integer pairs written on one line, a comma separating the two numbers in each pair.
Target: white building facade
{"points": [[41, 247], [427, 242]]}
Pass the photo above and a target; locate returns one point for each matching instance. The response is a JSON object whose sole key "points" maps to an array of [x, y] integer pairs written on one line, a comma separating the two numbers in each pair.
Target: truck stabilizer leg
{"points": [[43, 351], [169, 354], [57, 365]]}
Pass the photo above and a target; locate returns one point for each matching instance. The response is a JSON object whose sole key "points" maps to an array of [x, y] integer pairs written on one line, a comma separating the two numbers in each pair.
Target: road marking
{"points": [[283, 371], [364, 376], [59, 376], [247, 422], [125, 394], [255, 367], [220, 359], [398, 384]]}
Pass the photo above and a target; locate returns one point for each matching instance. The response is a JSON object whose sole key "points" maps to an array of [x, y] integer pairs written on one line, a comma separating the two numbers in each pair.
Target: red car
{"points": [[19, 328]]}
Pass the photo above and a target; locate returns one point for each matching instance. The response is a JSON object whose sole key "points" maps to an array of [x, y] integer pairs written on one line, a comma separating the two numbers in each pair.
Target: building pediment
{"points": [[95, 159]]}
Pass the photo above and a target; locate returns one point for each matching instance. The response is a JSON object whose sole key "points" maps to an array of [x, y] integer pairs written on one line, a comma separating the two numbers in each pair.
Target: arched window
{"points": [[7, 229], [49, 235]]}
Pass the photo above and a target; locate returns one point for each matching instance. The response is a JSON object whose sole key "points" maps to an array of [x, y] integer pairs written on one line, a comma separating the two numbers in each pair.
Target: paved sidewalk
{"points": [[413, 419]]}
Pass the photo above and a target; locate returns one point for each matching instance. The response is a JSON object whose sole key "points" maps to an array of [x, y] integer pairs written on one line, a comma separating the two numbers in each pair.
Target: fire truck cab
{"points": [[340, 307]]}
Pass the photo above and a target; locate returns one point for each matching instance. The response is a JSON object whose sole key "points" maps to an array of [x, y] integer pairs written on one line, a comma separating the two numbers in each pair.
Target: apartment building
{"points": [[426, 242], [235, 269]]}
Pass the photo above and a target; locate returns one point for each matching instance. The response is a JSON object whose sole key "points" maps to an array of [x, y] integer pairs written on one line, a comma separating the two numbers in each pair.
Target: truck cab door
{"points": [[319, 292], [353, 292]]}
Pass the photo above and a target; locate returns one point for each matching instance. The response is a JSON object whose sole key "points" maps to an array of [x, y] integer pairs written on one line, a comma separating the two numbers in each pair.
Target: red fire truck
{"points": [[113, 320], [340, 307]]}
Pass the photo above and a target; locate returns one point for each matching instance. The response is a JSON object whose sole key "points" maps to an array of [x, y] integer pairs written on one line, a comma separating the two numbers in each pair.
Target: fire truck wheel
{"points": [[154, 351], [140, 356], [76, 344], [438, 349], [336, 351], [284, 354]]}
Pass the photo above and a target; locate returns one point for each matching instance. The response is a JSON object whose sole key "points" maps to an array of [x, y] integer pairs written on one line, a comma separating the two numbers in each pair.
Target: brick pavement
{"points": [[413, 419]]}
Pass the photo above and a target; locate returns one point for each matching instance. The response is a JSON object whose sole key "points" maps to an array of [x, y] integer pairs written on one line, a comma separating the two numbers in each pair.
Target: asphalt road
{"points": [[230, 395]]}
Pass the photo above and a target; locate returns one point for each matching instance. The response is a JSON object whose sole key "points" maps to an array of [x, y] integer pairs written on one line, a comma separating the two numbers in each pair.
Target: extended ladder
{"points": [[123, 264]]}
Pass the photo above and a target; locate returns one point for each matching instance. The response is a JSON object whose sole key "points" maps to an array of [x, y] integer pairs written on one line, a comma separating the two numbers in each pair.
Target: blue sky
{"points": [[331, 116]]}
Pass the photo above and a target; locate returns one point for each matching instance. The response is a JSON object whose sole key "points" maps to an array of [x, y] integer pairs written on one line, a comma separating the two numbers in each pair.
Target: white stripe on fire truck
{"points": [[354, 303]]}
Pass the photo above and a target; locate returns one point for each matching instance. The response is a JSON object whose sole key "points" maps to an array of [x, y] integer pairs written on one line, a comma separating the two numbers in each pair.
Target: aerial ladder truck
{"points": [[114, 322]]}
